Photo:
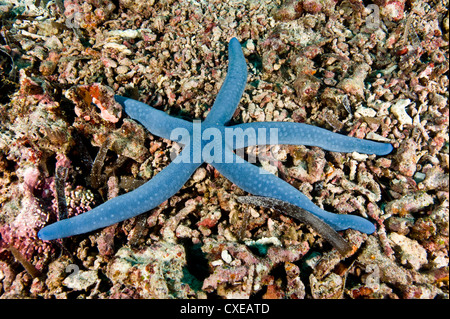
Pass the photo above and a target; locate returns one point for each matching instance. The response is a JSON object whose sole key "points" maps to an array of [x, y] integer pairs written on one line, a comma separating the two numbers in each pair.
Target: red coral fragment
{"points": [[102, 96]]}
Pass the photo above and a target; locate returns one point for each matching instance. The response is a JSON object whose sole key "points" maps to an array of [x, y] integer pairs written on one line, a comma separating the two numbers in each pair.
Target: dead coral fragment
{"points": [[309, 165], [48, 66], [100, 95], [372, 256], [409, 204], [406, 157], [304, 216], [306, 86], [143, 8], [293, 9], [87, 14], [355, 84], [290, 10], [152, 272], [398, 109], [410, 251], [81, 280], [128, 140], [435, 178], [330, 287], [392, 9], [238, 273]]}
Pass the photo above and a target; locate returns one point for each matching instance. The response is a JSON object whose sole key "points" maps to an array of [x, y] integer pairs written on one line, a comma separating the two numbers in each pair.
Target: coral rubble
{"points": [[378, 72]]}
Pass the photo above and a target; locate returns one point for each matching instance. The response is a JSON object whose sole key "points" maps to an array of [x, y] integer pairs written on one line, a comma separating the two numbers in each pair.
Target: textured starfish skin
{"points": [[248, 177]]}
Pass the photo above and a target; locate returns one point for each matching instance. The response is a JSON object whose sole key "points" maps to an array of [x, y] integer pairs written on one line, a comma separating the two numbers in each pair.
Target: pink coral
{"points": [[21, 232]]}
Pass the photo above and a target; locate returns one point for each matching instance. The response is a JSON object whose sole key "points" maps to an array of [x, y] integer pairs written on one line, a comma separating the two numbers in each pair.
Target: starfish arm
{"points": [[231, 91], [304, 134], [161, 187], [157, 122], [259, 182]]}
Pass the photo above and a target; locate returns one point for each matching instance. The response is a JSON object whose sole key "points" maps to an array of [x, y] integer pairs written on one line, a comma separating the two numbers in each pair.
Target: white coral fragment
{"points": [[398, 109]]}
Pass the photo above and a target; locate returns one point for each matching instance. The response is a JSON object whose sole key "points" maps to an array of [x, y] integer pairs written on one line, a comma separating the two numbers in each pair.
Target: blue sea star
{"points": [[208, 142]]}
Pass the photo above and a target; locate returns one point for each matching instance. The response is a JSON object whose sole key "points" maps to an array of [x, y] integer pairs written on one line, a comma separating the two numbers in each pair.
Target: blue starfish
{"points": [[212, 141]]}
